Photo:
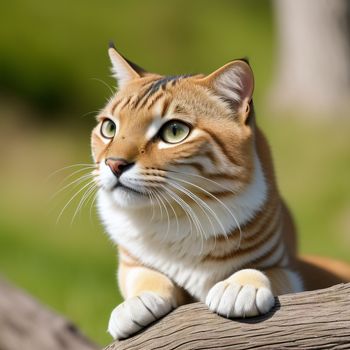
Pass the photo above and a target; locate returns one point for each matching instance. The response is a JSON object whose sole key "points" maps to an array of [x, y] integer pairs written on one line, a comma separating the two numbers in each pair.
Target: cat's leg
{"points": [[250, 292], [284, 281], [148, 295]]}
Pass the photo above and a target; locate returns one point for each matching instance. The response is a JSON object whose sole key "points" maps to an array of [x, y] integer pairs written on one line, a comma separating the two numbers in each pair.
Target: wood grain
{"points": [[309, 320]]}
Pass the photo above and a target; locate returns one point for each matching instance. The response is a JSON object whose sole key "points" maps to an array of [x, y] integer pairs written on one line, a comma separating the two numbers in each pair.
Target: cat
{"points": [[187, 191]]}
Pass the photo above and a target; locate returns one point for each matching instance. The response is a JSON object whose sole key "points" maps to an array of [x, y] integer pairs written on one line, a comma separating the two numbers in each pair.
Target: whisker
{"points": [[167, 213], [175, 198], [112, 90], [74, 173], [87, 193], [160, 208], [87, 166], [219, 201], [201, 177], [190, 195], [91, 112], [172, 208], [158, 204], [202, 205], [191, 213], [94, 197], [77, 182], [72, 198], [151, 196]]}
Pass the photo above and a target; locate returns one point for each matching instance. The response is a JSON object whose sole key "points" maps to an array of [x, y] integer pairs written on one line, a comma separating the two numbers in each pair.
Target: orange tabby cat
{"points": [[188, 192]]}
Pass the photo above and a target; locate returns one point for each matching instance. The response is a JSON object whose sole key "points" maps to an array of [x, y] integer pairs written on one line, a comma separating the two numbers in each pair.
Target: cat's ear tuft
{"points": [[234, 83], [123, 70]]}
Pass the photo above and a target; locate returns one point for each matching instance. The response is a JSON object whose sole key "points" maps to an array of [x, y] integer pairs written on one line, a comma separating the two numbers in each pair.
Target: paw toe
{"points": [[228, 299], [121, 324], [214, 296], [264, 300], [136, 313], [245, 302]]}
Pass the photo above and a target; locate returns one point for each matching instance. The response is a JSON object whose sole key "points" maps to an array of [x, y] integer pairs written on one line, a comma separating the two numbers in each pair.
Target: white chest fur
{"points": [[176, 248]]}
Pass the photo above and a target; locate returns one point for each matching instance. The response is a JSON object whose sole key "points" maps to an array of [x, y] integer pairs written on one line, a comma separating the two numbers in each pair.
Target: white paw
{"points": [[232, 299], [136, 313]]}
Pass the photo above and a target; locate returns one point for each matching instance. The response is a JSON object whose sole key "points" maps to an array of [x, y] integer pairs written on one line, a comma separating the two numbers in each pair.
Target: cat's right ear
{"points": [[234, 83], [123, 70]]}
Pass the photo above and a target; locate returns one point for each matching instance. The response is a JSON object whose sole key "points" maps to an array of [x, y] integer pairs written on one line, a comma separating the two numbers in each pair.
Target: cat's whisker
{"points": [[197, 201], [201, 177], [158, 204], [202, 205], [160, 208], [91, 112], [71, 199], [86, 166], [94, 197], [151, 197], [175, 198], [111, 89], [75, 182], [86, 195], [167, 214], [173, 210], [196, 221], [205, 205], [91, 198], [219, 201], [74, 173], [90, 195]]}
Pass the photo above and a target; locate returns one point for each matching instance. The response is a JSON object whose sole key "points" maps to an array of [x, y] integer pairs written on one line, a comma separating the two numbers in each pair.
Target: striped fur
{"points": [[197, 220]]}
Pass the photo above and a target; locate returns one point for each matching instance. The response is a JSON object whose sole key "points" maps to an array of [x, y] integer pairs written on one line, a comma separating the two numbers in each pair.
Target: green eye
{"points": [[174, 132], [108, 129]]}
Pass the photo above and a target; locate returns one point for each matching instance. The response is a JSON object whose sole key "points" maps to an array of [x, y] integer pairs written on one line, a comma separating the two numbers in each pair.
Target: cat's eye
{"points": [[174, 132], [108, 129]]}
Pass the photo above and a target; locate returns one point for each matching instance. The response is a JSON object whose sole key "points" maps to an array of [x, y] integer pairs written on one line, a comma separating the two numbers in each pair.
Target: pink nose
{"points": [[118, 165]]}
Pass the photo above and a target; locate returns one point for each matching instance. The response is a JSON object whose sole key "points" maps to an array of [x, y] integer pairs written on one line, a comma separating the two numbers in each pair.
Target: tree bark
{"points": [[309, 320], [313, 58], [27, 325]]}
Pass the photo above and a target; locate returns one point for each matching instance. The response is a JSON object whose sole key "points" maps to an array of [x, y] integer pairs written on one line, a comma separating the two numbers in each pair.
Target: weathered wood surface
{"points": [[27, 325], [309, 320]]}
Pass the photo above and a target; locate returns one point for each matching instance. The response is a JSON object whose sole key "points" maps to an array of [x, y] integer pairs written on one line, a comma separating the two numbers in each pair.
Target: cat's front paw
{"points": [[136, 313], [246, 293]]}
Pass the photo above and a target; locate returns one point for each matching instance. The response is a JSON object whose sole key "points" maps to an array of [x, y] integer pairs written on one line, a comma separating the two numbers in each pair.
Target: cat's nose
{"points": [[118, 165]]}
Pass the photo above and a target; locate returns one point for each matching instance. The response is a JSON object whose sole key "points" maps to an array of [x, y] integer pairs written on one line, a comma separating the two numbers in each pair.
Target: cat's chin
{"points": [[128, 198]]}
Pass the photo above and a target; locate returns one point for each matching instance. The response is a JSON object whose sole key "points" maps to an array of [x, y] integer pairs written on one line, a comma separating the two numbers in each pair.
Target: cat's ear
{"points": [[234, 83], [123, 70]]}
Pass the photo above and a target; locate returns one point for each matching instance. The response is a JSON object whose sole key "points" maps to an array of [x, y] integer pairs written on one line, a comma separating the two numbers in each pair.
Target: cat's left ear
{"points": [[234, 83], [123, 70]]}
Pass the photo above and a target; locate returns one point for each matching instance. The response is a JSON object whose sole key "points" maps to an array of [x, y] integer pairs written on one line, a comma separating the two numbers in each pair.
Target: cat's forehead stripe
{"points": [[119, 105], [159, 84], [154, 100]]}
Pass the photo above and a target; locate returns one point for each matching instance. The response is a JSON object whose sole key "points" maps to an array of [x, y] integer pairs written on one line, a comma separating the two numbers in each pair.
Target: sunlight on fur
{"points": [[186, 189]]}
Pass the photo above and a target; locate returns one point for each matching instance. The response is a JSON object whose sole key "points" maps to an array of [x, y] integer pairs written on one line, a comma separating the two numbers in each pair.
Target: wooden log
{"points": [[309, 320], [27, 325]]}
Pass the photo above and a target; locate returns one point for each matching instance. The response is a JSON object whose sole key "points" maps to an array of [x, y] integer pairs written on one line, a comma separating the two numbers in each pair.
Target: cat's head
{"points": [[175, 138]]}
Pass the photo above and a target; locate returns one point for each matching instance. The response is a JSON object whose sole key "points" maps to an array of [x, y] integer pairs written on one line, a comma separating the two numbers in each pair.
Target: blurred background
{"points": [[54, 76]]}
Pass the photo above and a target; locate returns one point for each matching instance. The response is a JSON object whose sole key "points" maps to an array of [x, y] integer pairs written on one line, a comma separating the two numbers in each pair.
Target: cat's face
{"points": [[174, 139]]}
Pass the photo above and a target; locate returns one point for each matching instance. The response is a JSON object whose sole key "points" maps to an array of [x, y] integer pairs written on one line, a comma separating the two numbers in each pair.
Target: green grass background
{"points": [[50, 54]]}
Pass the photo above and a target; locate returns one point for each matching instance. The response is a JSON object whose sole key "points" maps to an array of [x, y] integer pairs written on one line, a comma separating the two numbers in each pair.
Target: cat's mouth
{"points": [[125, 188]]}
